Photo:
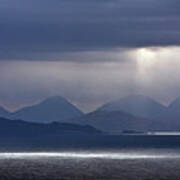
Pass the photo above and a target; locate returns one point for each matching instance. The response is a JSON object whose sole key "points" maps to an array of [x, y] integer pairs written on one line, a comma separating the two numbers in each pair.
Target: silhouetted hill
{"points": [[22, 129], [52, 109], [19, 135], [115, 121], [137, 105], [139, 113]]}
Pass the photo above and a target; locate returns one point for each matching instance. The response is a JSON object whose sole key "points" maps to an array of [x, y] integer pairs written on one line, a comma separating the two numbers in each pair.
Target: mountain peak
{"points": [[138, 105], [55, 108]]}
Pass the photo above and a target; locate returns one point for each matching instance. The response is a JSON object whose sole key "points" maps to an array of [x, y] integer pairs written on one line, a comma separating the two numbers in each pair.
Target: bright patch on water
{"points": [[164, 133], [73, 155]]}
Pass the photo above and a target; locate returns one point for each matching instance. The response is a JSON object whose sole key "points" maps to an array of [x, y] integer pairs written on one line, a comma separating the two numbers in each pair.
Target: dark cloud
{"points": [[119, 41], [38, 28]]}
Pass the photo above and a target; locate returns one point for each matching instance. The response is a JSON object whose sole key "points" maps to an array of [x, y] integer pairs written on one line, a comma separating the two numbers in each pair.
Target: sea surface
{"points": [[92, 165]]}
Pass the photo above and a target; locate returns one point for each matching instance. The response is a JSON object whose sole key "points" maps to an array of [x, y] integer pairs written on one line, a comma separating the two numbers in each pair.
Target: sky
{"points": [[90, 52]]}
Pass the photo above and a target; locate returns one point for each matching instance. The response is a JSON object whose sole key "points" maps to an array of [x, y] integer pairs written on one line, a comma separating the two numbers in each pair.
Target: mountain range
{"points": [[114, 121], [136, 112], [137, 105], [117, 121], [18, 136]]}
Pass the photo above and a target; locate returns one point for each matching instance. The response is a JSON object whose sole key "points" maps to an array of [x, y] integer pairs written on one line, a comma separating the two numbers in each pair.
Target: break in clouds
{"points": [[88, 51]]}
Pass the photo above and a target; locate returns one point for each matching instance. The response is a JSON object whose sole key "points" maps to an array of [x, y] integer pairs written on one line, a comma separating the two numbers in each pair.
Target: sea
{"points": [[110, 164]]}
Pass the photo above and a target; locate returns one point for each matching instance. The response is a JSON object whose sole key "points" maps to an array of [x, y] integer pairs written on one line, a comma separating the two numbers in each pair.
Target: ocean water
{"points": [[92, 165]]}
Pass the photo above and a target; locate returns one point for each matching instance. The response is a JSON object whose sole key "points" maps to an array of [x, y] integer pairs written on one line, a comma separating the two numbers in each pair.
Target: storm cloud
{"points": [[89, 51], [43, 29]]}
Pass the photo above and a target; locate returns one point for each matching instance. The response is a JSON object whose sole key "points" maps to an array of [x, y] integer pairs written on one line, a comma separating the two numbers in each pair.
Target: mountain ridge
{"points": [[21, 129], [113, 120]]}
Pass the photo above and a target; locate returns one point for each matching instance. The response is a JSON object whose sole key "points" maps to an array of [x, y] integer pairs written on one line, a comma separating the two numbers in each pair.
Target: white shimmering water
{"points": [[88, 155], [91, 165], [170, 133]]}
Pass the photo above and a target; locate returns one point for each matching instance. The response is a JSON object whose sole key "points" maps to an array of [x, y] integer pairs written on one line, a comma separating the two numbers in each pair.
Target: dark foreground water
{"points": [[98, 165]]}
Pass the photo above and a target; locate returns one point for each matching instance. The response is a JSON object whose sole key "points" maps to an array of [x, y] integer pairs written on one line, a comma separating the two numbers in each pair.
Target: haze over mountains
{"points": [[136, 112]]}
